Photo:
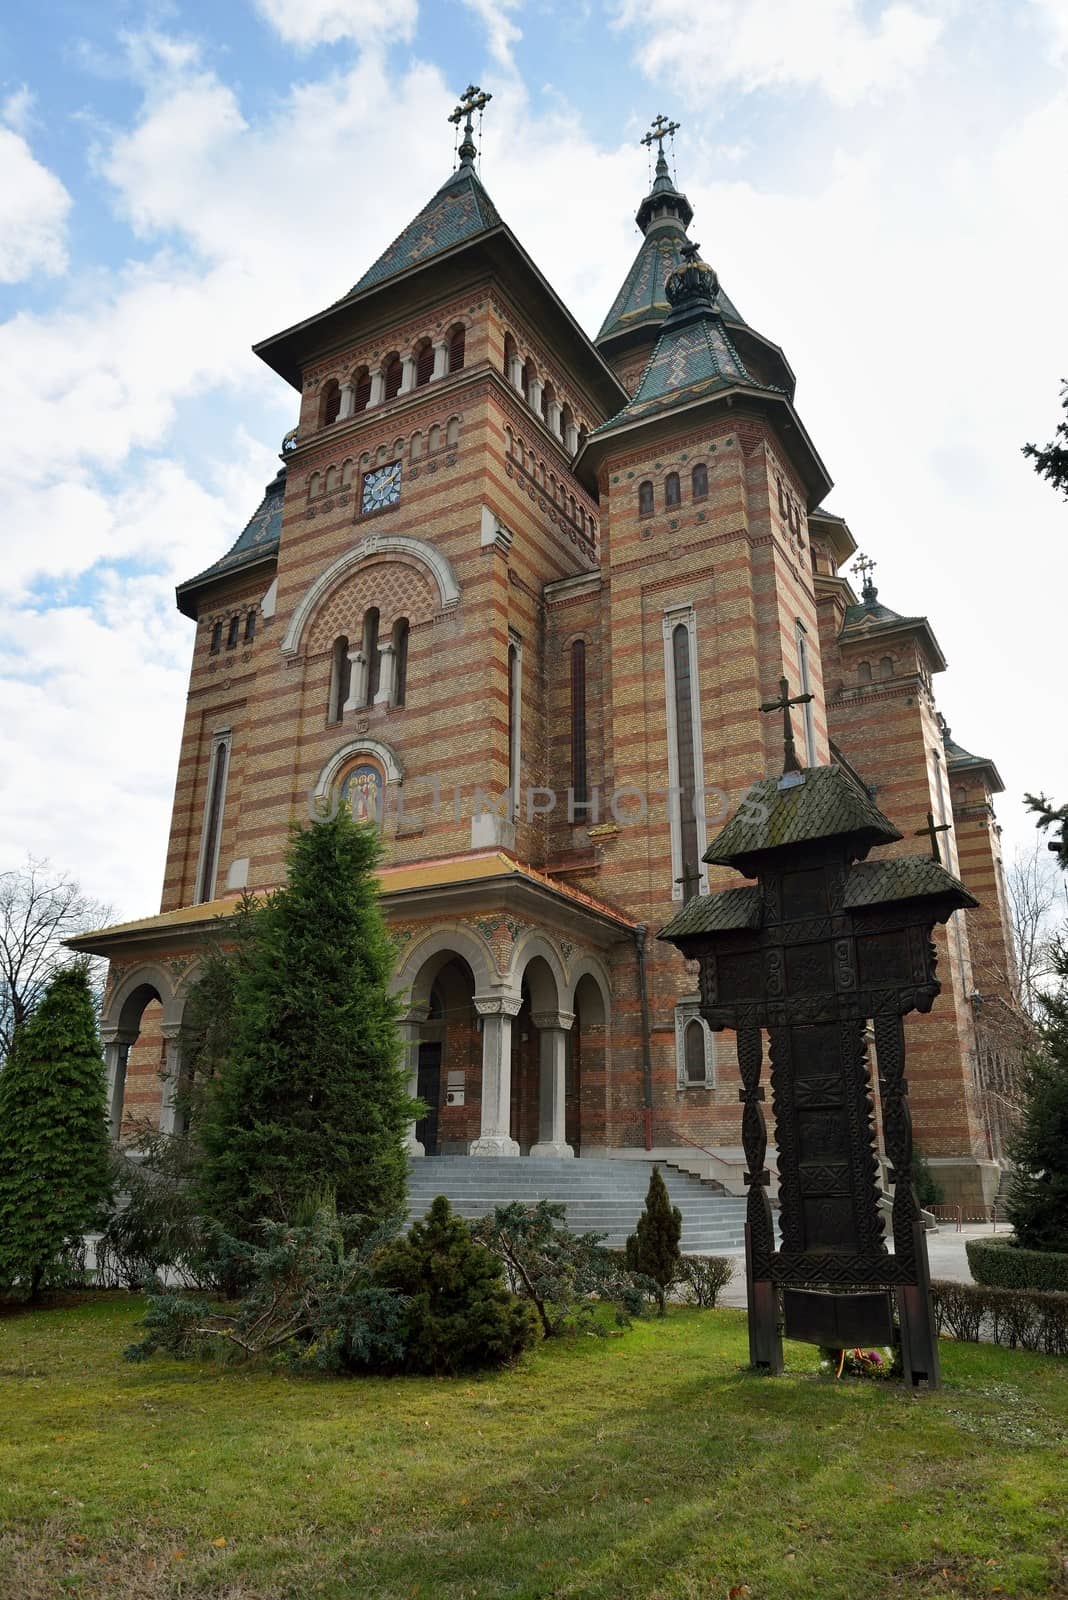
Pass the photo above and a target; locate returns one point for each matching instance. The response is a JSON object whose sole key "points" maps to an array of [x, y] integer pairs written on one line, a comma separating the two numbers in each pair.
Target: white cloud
{"points": [[1055, 15], [311, 22], [502, 33], [33, 212], [16, 110], [755, 44]]}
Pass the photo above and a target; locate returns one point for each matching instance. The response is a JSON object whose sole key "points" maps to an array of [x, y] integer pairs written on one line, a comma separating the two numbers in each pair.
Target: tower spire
{"points": [[473, 99], [664, 202]]}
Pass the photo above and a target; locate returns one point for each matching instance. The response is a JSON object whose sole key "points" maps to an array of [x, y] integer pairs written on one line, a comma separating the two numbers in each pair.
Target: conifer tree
{"points": [[653, 1248], [1038, 1195], [54, 1154], [309, 1100]]}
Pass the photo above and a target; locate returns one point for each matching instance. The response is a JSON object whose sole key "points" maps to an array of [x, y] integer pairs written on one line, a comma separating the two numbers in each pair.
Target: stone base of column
{"points": [[493, 1144], [551, 1147], [413, 1148]]}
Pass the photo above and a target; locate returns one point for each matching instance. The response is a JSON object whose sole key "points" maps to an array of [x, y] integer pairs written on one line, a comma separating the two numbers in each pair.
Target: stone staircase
{"points": [[601, 1196]]}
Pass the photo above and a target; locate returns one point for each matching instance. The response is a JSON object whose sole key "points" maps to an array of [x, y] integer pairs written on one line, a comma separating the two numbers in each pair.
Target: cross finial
{"points": [[932, 830], [691, 875], [783, 704], [661, 129], [473, 99], [864, 566]]}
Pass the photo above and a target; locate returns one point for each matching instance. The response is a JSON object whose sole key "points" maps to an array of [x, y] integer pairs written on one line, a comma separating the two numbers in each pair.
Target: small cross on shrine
{"points": [[661, 129], [473, 99], [783, 704], [690, 880], [932, 830]]}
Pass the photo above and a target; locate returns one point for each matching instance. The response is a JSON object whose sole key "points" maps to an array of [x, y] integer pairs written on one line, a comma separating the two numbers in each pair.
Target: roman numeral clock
{"points": [[381, 488]]}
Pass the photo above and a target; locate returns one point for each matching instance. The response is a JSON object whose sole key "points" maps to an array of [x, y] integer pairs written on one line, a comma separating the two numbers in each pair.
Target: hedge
{"points": [[1000, 1264], [1031, 1319]]}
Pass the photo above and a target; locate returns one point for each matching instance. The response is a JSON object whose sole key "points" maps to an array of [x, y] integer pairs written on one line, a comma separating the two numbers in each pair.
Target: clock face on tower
{"points": [[381, 487]]}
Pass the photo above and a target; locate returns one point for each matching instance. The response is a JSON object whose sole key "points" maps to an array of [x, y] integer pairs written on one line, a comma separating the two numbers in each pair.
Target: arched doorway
{"points": [[539, 1061], [140, 1029], [586, 1074]]}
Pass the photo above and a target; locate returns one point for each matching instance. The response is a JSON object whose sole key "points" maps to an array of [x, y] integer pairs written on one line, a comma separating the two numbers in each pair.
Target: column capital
{"points": [[498, 1005], [553, 1019], [112, 1033]]}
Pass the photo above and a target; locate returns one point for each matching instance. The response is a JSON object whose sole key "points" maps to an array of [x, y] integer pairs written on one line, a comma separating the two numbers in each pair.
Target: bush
{"points": [[460, 1314], [653, 1248], [313, 1301], [703, 1278], [565, 1276], [927, 1189], [1003, 1264], [1038, 1194], [154, 1229], [1028, 1319]]}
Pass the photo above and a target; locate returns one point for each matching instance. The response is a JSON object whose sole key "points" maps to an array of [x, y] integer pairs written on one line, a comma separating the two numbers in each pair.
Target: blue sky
{"points": [[877, 184]]}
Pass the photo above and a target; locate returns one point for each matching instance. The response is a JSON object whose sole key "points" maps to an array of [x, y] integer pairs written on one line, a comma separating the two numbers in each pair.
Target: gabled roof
{"points": [[960, 760], [642, 301], [870, 618], [459, 211], [257, 541], [827, 804], [689, 361]]}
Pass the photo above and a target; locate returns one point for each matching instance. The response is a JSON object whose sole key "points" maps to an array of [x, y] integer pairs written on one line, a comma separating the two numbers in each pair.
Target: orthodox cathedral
{"points": [[520, 595]]}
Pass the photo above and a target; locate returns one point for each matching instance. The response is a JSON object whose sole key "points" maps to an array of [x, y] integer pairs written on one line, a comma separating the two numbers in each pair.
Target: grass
{"points": [[651, 1465]]}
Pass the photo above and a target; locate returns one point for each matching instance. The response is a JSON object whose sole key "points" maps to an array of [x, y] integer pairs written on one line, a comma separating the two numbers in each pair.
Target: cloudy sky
{"points": [[881, 187]]}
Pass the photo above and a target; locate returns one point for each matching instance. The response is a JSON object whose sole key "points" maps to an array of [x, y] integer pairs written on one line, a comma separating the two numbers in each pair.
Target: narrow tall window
{"points": [[645, 499], [578, 722], [370, 653], [400, 660], [362, 396], [680, 649], [424, 364], [233, 632], [685, 761], [331, 403], [805, 675], [672, 490], [250, 627], [213, 815], [699, 479], [457, 343], [696, 1066], [340, 679], [216, 638], [394, 374], [515, 726]]}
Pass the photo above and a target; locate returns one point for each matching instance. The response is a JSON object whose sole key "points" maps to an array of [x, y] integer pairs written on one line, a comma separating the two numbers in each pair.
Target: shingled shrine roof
{"points": [[716, 913], [777, 812], [257, 540], [459, 211], [872, 883]]}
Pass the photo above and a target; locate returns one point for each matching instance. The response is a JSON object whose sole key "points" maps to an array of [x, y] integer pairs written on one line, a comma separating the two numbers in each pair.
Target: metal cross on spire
{"points": [[783, 704], [864, 566], [473, 99], [661, 129], [932, 830]]}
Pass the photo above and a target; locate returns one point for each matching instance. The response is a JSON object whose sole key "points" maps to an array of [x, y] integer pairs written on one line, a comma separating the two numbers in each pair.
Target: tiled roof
{"points": [[828, 803], [459, 211], [871, 883], [257, 539], [958, 759], [692, 357], [715, 913], [642, 299], [871, 617]]}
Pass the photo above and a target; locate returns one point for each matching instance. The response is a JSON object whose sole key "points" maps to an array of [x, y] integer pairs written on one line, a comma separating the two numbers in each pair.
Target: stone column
{"points": [[571, 439], [116, 1052], [553, 1027], [408, 1028], [495, 1138], [170, 1120], [348, 401], [357, 681], [378, 388], [515, 373], [387, 663], [534, 397], [441, 360], [553, 417], [407, 375]]}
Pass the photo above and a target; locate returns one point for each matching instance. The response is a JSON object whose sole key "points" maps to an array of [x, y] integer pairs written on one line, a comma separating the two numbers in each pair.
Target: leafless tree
{"points": [[40, 906], [1035, 889]]}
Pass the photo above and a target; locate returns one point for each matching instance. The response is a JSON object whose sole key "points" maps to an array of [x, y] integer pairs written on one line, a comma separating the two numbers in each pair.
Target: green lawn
{"points": [[647, 1465]]}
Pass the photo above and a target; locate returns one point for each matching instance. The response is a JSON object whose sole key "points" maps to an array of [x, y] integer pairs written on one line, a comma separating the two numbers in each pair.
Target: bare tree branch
{"points": [[40, 907]]}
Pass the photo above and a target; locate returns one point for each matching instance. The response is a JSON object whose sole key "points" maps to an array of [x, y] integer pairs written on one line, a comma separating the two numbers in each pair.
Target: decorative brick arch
{"points": [[395, 586], [437, 566], [445, 942]]}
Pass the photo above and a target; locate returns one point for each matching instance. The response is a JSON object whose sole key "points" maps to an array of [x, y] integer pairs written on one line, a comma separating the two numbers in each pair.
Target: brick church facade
{"points": [[521, 594]]}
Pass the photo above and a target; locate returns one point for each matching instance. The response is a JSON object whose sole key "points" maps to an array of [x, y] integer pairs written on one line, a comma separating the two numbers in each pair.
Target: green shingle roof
{"points": [[692, 358], [715, 913], [642, 300], [827, 804], [259, 538], [459, 211], [959, 760], [871, 883]]}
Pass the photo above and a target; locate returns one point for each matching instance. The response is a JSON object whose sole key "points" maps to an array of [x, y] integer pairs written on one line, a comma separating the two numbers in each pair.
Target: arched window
{"points": [[417, 445], [213, 818], [696, 1060], [864, 672], [784, 509], [250, 627], [400, 660], [340, 679], [645, 499], [548, 393], [582, 435], [216, 638], [370, 653], [233, 633], [684, 746], [886, 667], [578, 721], [394, 374], [699, 481], [331, 480], [457, 344], [315, 483], [331, 404], [452, 431], [530, 375], [424, 363], [362, 383], [346, 474], [672, 490], [433, 438], [511, 357]]}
